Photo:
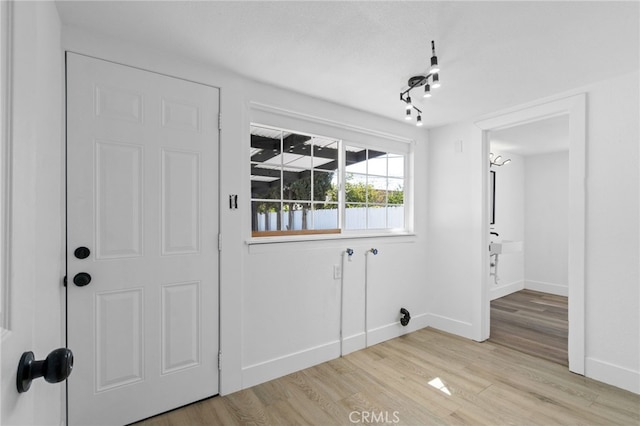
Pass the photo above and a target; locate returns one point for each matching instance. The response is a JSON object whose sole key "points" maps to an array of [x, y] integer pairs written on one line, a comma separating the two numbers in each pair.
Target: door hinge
{"points": [[219, 121], [220, 361], [219, 242]]}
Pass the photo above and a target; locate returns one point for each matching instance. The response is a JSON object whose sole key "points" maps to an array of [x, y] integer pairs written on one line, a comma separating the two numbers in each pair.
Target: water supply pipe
{"points": [[347, 253], [373, 251]]}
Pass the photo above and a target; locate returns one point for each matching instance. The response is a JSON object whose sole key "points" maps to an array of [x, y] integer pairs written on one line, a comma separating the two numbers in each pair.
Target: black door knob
{"points": [[81, 279], [55, 368], [82, 252]]}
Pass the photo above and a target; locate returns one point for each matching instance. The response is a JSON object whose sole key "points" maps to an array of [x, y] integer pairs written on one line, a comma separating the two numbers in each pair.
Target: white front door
{"points": [[142, 219]]}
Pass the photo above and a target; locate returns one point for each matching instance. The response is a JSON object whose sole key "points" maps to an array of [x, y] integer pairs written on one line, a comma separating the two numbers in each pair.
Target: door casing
{"points": [[575, 107]]}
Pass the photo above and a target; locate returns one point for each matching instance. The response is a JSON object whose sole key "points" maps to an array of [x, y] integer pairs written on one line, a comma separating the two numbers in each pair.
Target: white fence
{"points": [[355, 218]]}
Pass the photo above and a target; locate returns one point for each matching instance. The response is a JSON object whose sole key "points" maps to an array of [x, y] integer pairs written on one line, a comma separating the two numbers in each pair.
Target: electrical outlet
{"points": [[337, 272]]}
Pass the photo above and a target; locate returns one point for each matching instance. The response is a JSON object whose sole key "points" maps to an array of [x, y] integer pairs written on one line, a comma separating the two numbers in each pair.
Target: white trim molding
{"points": [[612, 374], [551, 288], [395, 329], [575, 107], [6, 153], [498, 291], [259, 106], [451, 325], [272, 369]]}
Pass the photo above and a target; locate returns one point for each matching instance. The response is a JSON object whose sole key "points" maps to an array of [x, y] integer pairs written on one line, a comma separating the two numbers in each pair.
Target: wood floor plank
{"points": [[427, 377], [532, 322]]}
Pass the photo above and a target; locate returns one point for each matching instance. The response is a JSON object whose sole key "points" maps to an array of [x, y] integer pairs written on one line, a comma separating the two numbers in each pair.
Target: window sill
{"points": [[306, 237], [263, 234]]}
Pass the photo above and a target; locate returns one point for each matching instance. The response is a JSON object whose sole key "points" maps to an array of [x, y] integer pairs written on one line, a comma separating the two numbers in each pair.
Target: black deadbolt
{"points": [[82, 252], [55, 368], [82, 279]]}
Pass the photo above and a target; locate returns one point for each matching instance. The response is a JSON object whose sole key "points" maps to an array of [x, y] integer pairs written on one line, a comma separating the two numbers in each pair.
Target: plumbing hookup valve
{"points": [[405, 317]]}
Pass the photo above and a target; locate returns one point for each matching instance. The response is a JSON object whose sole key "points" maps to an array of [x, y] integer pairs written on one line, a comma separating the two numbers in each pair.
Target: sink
{"points": [[505, 246]]}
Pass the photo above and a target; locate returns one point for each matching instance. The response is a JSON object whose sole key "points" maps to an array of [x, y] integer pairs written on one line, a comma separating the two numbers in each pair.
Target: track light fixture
{"points": [[422, 80], [498, 161]]}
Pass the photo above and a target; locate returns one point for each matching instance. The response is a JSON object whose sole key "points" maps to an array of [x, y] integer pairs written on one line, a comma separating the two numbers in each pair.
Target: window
{"points": [[308, 184], [293, 182], [374, 189]]}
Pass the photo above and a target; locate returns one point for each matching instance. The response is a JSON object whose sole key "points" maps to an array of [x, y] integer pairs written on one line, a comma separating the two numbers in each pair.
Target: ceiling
{"points": [[539, 137], [493, 55]]}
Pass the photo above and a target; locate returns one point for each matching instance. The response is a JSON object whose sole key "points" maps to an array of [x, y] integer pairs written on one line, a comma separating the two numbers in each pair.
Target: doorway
{"points": [[575, 108], [532, 322], [529, 192], [142, 256]]}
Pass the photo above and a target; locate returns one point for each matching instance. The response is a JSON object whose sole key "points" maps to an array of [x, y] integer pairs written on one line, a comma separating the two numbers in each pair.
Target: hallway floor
{"points": [[532, 322]]}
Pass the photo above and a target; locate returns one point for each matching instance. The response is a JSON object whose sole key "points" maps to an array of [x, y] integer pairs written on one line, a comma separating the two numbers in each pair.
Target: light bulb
{"points": [[436, 81], [427, 91], [435, 68], [408, 116], [419, 122], [409, 105]]}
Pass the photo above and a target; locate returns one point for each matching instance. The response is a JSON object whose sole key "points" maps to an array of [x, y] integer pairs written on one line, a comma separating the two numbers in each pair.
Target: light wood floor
{"points": [[532, 322], [423, 378]]}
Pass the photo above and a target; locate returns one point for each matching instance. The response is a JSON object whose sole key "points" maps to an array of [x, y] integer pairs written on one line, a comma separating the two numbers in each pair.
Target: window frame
{"points": [[257, 237]]}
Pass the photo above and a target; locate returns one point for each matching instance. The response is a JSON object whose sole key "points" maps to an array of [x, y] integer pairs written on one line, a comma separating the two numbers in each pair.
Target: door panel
{"points": [[142, 185], [118, 195]]}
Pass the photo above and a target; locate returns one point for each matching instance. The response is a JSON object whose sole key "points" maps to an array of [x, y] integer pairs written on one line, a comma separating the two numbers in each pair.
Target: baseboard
{"points": [[557, 289], [450, 325], [353, 343], [278, 367], [395, 329], [612, 374], [497, 292]]}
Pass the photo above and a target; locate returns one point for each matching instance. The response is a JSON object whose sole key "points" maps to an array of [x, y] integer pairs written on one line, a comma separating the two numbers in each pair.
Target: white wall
{"points": [[291, 300], [509, 223], [612, 236], [455, 227], [612, 252], [546, 192], [291, 304], [37, 258], [280, 302]]}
